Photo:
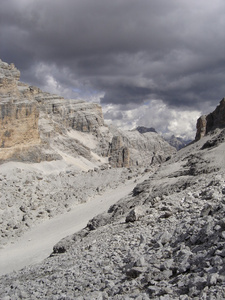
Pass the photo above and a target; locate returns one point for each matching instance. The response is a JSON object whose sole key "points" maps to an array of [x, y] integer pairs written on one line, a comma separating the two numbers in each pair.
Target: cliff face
{"points": [[119, 155], [18, 124], [30, 119], [9, 75], [138, 149], [18, 115], [37, 126], [214, 120]]}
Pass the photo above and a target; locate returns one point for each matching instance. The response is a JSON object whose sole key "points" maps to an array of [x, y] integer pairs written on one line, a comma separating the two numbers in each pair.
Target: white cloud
{"points": [[157, 114]]}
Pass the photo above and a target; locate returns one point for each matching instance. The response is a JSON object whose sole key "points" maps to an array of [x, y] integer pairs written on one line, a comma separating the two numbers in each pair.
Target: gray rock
{"points": [[135, 214]]}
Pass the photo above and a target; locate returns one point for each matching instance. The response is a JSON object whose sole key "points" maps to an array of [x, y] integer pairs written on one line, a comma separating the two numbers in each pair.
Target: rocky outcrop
{"points": [[146, 149], [119, 155], [209, 122], [216, 119], [18, 115], [201, 127], [9, 75], [74, 114]]}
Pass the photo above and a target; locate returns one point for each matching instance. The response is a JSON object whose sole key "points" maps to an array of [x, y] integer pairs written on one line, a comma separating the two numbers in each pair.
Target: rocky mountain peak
{"points": [[143, 129]]}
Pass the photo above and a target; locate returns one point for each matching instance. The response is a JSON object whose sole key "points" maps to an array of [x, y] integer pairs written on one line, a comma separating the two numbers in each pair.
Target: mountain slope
{"points": [[177, 142]]}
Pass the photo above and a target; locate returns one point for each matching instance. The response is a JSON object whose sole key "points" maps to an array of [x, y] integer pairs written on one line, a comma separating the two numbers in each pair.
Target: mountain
{"points": [[37, 126], [177, 142], [163, 240], [143, 129]]}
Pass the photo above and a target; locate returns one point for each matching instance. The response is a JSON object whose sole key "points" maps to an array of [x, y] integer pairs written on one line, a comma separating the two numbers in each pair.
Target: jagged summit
{"points": [[143, 129]]}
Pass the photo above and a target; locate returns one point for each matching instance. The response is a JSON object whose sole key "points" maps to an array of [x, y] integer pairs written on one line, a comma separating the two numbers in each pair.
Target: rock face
{"points": [[18, 125], [18, 116], [36, 126], [214, 120], [119, 155], [30, 117]]}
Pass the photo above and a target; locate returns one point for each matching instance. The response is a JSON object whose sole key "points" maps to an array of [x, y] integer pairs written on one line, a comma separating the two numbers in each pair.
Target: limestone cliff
{"points": [[32, 119], [18, 115], [119, 155], [214, 120]]}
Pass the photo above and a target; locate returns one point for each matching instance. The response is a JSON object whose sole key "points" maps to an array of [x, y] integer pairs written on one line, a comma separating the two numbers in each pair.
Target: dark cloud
{"points": [[129, 51]]}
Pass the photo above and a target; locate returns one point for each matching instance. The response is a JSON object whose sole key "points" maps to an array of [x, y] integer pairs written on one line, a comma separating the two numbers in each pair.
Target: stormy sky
{"points": [[157, 63]]}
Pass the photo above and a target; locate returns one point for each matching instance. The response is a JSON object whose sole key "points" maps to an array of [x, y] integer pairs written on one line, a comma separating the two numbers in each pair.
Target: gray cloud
{"points": [[128, 51]]}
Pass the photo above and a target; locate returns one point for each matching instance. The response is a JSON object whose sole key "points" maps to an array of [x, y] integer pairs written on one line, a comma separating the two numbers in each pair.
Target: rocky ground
{"points": [[165, 241], [32, 193]]}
